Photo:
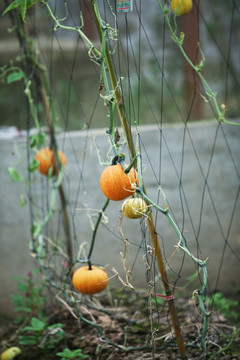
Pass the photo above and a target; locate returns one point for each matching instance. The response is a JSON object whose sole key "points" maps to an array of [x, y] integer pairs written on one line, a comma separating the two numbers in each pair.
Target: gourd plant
{"points": [[48, 160], [114, 101], [180, 7], [127, 180]]}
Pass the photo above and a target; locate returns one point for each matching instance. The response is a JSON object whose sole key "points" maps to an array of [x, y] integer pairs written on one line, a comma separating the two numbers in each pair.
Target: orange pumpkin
{"points": [[115, 184], [90, 281], [181, 7], [46, 160]]}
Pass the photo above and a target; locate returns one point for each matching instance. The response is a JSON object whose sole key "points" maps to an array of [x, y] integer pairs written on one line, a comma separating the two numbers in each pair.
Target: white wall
{"points": [[206, 227]]}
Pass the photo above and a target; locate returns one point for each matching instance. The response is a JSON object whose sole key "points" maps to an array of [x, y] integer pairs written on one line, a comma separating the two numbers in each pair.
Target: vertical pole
{"points": [[152, 229], [190, 28]]}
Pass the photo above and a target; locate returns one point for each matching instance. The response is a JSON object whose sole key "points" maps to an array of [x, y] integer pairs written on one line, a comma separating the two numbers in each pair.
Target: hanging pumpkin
{"points": [[45, 159], [115, 184], [90, 281], [10, 353], [134, 208], [181, 7]]}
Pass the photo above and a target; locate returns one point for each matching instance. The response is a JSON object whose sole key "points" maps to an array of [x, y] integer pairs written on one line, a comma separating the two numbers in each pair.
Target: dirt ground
{"points": [[123, 329]]}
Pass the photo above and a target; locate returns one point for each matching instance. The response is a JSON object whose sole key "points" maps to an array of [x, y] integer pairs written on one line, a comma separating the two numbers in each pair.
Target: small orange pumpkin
{"points": [[90, 281], [181, 7], [134, 208], [46, 160], [115, 184]]}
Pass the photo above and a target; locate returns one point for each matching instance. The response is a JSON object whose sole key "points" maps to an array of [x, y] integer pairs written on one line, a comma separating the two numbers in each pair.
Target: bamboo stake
{"points": [[132, 151]]}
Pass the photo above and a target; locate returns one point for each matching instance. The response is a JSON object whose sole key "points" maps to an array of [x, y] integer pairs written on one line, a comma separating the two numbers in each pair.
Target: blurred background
{"points": [[169, 90]]}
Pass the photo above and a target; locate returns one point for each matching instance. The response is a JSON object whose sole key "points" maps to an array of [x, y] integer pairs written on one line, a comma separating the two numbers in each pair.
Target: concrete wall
{"points": [[198, 168]]}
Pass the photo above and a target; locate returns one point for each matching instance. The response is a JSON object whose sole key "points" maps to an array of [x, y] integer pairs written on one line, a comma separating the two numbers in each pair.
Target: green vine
{"points": [[210, 94], [201, 294], [37, 75], [113, 99]]}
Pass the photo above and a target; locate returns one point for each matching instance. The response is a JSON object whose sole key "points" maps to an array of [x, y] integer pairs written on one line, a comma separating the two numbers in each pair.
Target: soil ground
{"points": [[123, 330]]}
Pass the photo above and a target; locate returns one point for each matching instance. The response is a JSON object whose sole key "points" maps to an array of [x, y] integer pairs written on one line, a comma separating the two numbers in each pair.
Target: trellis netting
{"points": [[105, 83]]}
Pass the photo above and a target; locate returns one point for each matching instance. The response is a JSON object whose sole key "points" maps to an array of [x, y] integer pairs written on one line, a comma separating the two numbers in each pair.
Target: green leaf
{"points": [[37, 140], [31, 3], [12, 6], [23, 8], [78, 352], [22, 5], [33, 165], [37, 324], [3, 68], [69, 354], [18, 300], [28, 328], [15, 174], [22, 309], [22, 286], [66, 353], [34, 227], [22, 200], [15, 76], [28, 340], [54, 326]]}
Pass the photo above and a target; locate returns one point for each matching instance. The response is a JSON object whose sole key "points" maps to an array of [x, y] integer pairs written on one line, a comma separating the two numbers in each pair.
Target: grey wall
{"points": [[203, 158]]}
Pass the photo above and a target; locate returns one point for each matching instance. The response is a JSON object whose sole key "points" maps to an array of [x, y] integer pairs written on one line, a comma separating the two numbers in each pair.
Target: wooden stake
{"points": [[152, 229]]}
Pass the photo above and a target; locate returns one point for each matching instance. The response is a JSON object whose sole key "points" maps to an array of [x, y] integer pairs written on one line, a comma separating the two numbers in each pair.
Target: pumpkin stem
{"points": [[132, 164], [89, 265], [96, 228], [118, 159], [115, 160]]}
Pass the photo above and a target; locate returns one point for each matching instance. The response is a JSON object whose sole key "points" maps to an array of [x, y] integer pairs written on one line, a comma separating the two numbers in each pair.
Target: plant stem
{"points": [[96, 227], [51, 211], [92, 48], [132, 163], [43, 88], [110, 97], [222, 350], [197, 68], [119, 102], [153, 232]]}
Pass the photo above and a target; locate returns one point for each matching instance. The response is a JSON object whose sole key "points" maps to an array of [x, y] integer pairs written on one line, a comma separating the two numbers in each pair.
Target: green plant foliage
{"points": [[29, 299], [22, 200], [69, 354], [15, 76], [15, 174], [33, 165], [223, 305], [37, 140], [41, 334], [36, 325], [22, 5]]}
